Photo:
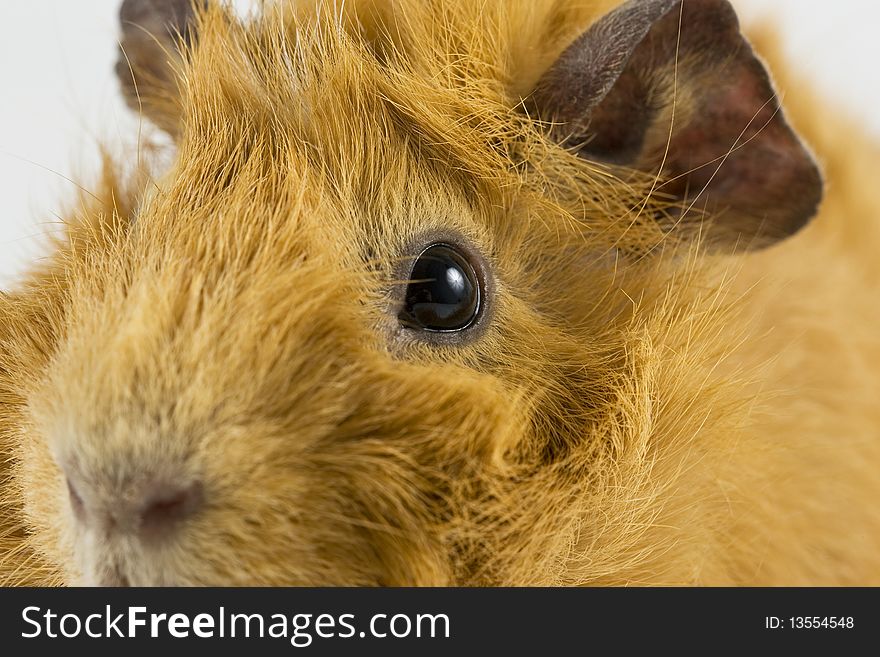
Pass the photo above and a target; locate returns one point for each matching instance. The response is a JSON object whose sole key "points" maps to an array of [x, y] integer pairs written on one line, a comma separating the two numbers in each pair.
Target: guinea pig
{"points": [[466, 292]]}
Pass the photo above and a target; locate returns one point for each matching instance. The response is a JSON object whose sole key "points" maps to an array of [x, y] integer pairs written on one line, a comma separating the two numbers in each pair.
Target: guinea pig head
{"points": [[375, 324]]}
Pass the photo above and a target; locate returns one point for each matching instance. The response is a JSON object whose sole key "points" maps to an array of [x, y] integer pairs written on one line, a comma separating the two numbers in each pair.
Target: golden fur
{"points": [[637, 411]]}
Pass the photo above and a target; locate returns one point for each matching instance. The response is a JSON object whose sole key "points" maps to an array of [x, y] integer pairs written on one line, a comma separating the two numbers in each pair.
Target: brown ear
{"points": [[152, 34], [731, 151]]}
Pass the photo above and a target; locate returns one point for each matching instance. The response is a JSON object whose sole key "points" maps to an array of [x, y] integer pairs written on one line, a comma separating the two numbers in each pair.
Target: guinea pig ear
{"points": [[674, 84], [153, 32]]}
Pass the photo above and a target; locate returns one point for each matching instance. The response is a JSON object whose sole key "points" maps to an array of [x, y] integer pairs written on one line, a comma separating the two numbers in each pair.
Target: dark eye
{"points": [[443, 294]]}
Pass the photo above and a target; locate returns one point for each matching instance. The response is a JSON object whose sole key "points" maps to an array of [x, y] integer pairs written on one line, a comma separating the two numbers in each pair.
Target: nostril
{"points": [[149, 506], [168, 505]]}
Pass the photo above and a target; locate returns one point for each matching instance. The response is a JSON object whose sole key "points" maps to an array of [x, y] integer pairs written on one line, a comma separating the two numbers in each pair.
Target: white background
{"points": [[58, 96]]}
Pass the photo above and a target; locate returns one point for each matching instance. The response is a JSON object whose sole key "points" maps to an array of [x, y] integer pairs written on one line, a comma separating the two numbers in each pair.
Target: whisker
{"points": [[137, 96], [733, 149], [672, 118], [52, 171], [730, 152]]}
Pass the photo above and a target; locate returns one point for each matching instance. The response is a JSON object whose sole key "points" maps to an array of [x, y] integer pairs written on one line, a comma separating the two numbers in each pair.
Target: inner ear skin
{"points": [[774, 188], [151, 31], [621, 122], [160, 18], [731, 151], [591, 66]]}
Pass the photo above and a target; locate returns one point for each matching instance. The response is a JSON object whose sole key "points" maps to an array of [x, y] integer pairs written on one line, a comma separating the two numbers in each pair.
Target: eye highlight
{"points": [[443, 295]]}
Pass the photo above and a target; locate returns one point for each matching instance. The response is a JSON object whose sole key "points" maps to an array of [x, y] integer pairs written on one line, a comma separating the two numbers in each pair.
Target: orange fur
{"points": [[627, 418]]}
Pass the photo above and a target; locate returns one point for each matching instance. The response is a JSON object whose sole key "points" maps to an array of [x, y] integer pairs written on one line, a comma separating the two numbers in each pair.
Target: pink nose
{"points": [[150, 508]]}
